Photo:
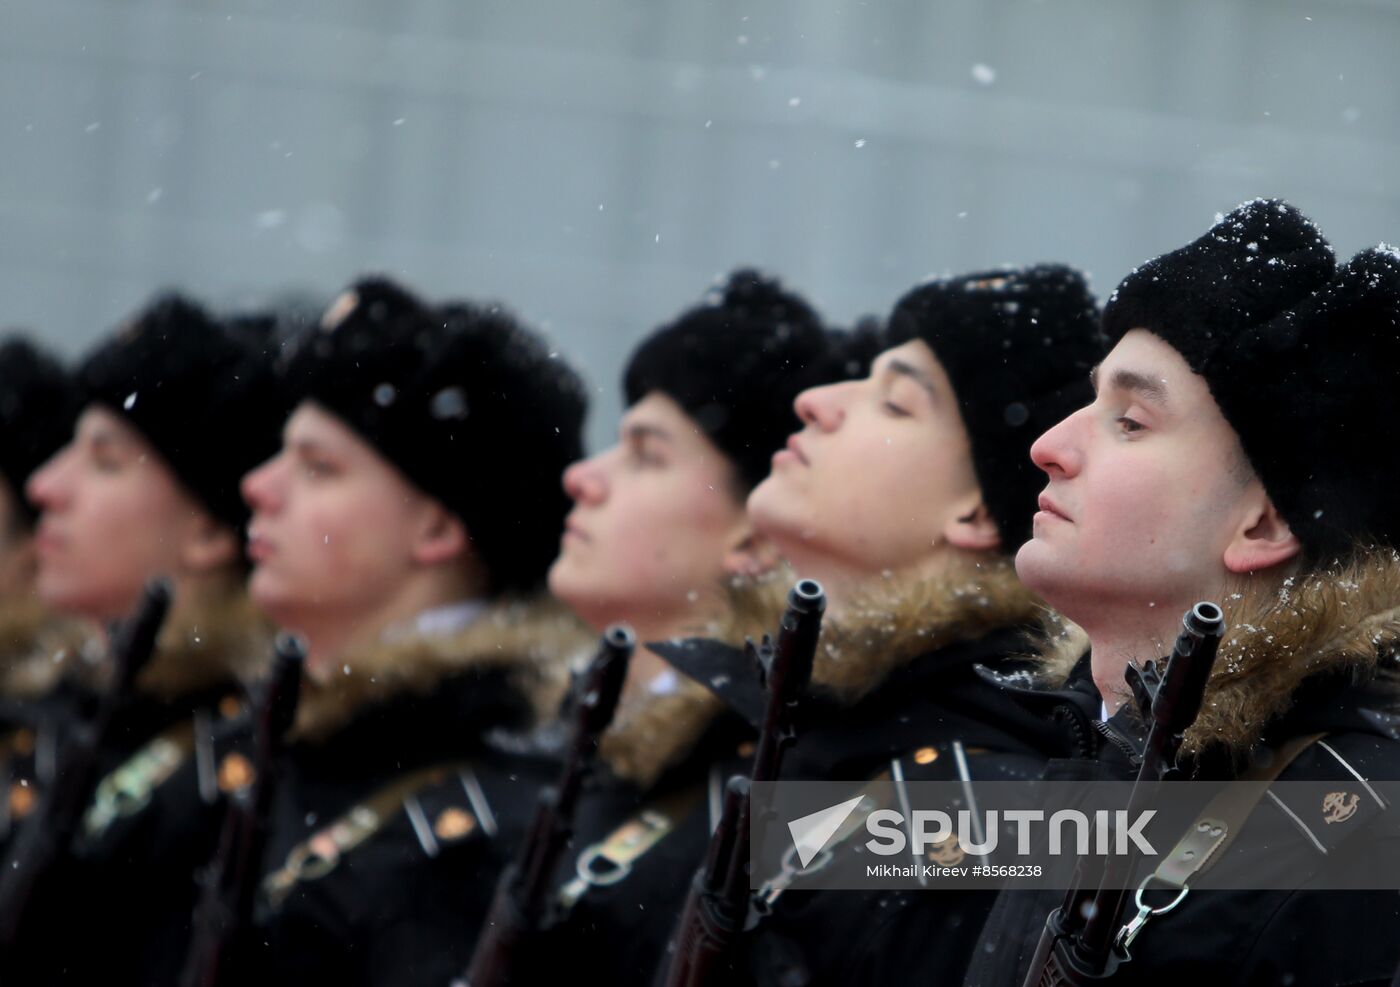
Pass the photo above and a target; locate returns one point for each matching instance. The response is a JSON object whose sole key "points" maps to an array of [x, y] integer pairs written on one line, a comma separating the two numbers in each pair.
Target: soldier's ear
{"points": [[748, 553], [440, 536], [1262, 539], [971, 526]]}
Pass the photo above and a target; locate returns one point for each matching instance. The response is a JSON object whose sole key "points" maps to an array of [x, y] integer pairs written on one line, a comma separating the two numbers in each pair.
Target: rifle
{"points": [[720, 907], [230, 882], [47, 835], [518, 909], [1076, 946]]}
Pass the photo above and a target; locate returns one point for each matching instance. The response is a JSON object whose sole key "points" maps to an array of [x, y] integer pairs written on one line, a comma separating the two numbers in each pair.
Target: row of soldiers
{"points": [[403, 486]]}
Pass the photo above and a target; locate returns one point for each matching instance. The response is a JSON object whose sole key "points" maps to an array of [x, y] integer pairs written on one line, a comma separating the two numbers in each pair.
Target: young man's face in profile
{"points": [[1147, 489]]}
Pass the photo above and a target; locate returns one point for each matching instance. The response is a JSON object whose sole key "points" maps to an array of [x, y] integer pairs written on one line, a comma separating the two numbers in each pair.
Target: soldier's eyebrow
{"points": [[305, 446], [104, 437], [899, 368], [1153, 389], [639, 431]]}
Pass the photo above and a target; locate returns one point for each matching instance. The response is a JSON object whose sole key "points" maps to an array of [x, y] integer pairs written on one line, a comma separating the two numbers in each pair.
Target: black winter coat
{"points": [[128, 881], [1249, 937], [392, 825], [613, 927], [914, 717], [408, 815]]}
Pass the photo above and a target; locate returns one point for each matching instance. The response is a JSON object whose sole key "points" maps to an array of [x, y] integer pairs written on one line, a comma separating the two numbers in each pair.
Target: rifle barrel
{"points": [[48, 833], [518, 905], [225, 907], [1174, 709], [717, 908]]}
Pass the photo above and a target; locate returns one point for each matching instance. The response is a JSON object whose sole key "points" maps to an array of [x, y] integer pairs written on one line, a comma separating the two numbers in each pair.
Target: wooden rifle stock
{"points": [[47, 835], [720, 906], [225, 908], [518, 910], [1076, 945], [705, 930]]}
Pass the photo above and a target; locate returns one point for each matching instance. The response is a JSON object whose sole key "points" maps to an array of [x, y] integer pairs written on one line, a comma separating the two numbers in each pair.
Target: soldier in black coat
{"points": [[903, 495], [1229, 454], [37, 647], [404, 530], [175, 406], [658, 538]]}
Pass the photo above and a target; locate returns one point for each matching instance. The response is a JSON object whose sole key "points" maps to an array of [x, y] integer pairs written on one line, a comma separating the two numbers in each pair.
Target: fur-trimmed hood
{"points": [[1336, 627], [650, 736], [223, 642], [39, 648], [899, 620], [527, 643], [656, 731], [879, 634]]}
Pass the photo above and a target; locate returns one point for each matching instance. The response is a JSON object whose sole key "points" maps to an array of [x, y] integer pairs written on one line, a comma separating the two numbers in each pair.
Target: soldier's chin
{"points": [[270, 596], [571, 582], [586, 598], [1040, 567], [62, 594], [773, 506], [50, 591]]}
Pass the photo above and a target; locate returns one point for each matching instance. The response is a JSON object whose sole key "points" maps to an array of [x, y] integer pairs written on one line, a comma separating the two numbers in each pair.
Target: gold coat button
{"points": [[453, 824], [925, 755], [235, 772], [21, 800]]}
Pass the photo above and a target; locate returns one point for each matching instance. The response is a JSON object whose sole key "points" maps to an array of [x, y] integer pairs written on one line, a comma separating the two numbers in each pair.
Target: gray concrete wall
{"points": [[595, 163]]}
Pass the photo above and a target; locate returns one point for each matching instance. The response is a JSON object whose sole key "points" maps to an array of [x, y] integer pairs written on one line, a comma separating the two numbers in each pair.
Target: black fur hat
{"points": [[1263, 257], [1018, 345], [857, 347], [38, 405], [734, 364], [202, 394], [475, 410], [1312, 394]]}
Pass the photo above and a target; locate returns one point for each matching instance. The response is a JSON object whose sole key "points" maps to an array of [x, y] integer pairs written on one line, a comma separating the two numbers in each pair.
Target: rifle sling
{"points": [[127, 790], [610, 860], [319, 854], [1210, 833], [791, 869], [1217, 825]]}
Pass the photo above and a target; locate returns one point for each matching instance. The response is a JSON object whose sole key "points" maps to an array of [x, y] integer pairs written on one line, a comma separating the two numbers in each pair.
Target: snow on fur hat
{"points": [[734, 364], [1262, 258], [38, 405], [474, 410], [1018, 345], [1312, 394], [201, 393]]}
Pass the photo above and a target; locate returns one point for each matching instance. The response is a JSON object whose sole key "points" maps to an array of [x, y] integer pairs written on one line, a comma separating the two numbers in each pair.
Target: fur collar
{"points": [[883, 631], [37, 649], [899, 620], [1340, 622], [656, 731], [222, 643], [532, 640]]}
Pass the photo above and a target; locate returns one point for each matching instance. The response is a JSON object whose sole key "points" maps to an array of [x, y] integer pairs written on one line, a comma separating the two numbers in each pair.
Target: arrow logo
{"points": [[810, 833]]}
